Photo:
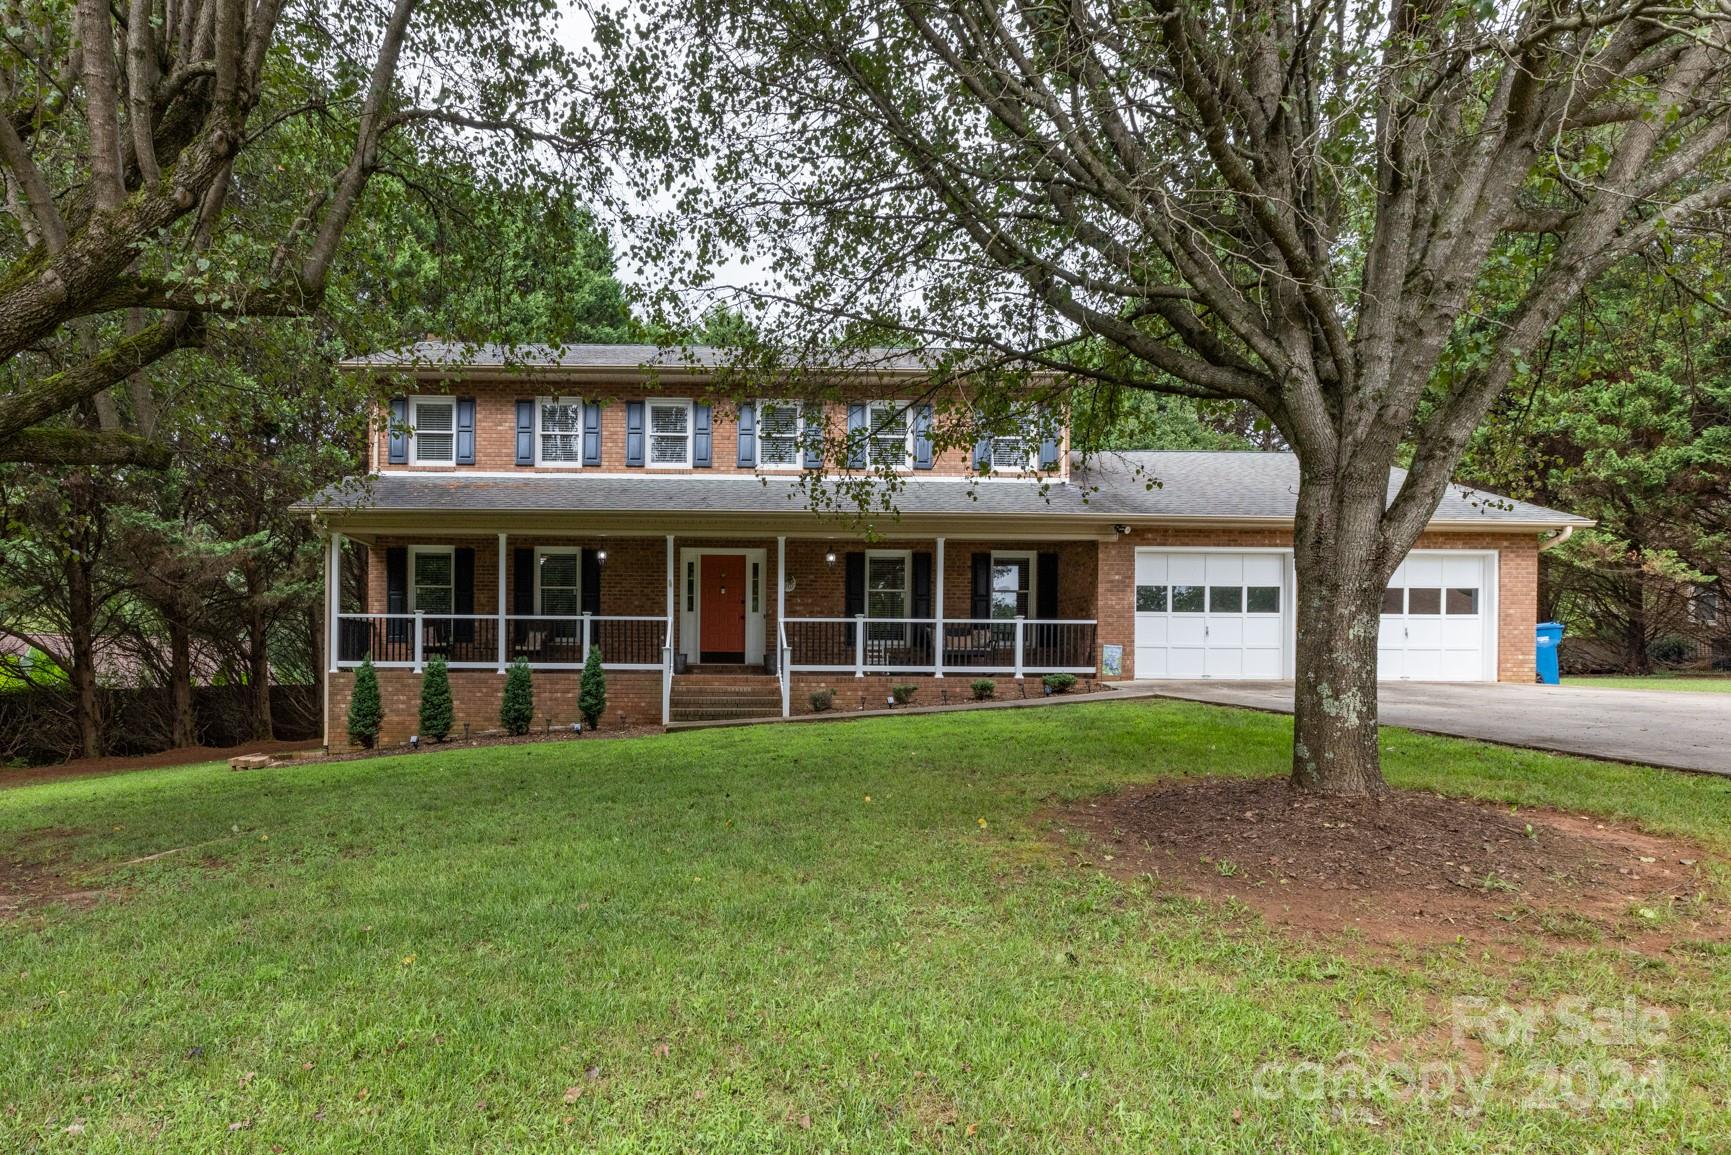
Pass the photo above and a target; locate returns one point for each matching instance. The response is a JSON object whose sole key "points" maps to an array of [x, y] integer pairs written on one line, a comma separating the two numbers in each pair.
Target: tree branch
{"points": [[79, 447]]}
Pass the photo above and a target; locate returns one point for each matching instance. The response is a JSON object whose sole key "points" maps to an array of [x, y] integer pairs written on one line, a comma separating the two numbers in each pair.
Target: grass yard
{"points": [[1693, 683], [839, 937]]}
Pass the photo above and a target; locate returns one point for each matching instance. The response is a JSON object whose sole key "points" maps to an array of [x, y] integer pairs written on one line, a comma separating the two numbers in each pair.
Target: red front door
{"points": [[722, 631]]}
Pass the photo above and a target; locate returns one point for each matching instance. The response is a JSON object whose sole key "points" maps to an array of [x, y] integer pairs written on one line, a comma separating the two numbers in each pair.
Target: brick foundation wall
{"points": [[633, 698], [871, 691]]}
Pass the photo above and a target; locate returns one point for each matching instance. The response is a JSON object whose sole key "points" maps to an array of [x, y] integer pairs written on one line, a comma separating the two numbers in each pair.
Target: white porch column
{"points": [[938, 610], [502, 556], [780, 582], [672, 591], [334, 598], [782, 654]]}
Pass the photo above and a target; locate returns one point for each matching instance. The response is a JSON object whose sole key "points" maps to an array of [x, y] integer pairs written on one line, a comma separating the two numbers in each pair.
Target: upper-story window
{"points": [[433, 425], [1017, 449], [559, 437], [890, 440], [670, 433], [780, 434]]}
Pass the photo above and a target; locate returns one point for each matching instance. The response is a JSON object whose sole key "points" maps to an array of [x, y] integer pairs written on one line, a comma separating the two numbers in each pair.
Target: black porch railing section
{"points": [[459, 639], [903, 644]]}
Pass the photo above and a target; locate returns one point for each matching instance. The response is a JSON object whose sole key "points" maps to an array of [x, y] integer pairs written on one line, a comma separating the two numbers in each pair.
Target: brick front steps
{"points": [[710, 697]]}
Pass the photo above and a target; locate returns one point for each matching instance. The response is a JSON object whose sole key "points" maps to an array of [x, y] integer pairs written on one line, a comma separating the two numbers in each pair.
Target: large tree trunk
{"points": [[1636, 655], [184, 726], [1341, 576], [80, 610], [257, 652]]}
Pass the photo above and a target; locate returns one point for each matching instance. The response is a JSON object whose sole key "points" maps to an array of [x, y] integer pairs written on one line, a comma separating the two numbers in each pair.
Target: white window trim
{"points": [[542, 551], [414, 436], [799, 434], [416, 551], [907, 557], [907, 408], [649, 432], [1033, 560], [577, 401]]}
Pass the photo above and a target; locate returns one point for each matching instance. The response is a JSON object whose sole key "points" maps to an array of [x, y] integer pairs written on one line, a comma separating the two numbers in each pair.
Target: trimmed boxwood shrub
{"points": [[517, 707], [1060, 683], [438, 716], [822, 700], [984, 688], [366, 711], [592, 690], [903, 692]]}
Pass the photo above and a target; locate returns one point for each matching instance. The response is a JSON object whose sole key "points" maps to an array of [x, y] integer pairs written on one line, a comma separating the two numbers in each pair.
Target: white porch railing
{"points": [[492, 641], [784, 668], [667, 647], [861, 645]]}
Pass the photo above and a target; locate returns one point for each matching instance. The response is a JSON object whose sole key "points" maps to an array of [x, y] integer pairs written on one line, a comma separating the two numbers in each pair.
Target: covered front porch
{"points": [[686, 606]]}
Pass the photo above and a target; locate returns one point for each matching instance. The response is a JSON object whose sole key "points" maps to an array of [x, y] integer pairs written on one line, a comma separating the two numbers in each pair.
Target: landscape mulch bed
{"points": [[1410, 869]]}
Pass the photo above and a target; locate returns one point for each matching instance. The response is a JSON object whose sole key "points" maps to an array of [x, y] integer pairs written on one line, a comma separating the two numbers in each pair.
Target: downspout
{"points": [[1553, 543]]}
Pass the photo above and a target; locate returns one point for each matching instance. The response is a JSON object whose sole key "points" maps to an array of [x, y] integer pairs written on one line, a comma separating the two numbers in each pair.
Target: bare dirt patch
{"points": [[31, 875], [1413, 869], [179, 756]]}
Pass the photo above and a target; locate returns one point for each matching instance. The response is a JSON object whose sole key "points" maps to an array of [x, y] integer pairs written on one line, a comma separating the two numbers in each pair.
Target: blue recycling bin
{"points": [[1550, 637]]}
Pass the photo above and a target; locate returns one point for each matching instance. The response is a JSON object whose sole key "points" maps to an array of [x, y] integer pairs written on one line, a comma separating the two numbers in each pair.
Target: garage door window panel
{"points": [[1262, 599]]}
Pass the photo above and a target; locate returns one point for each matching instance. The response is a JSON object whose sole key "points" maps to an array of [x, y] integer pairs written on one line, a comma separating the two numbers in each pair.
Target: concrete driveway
{"points": [[1682, 731]]}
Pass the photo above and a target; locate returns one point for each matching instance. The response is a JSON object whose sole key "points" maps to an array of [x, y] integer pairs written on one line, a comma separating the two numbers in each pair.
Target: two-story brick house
{"points": [[605, 496]]}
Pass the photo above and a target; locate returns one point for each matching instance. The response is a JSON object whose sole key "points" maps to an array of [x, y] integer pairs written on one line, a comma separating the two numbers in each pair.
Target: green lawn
{"points": [[1694, 683], [725, 946]]}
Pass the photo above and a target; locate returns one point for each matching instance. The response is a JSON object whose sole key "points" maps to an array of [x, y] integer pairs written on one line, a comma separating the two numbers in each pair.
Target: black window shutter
{"points": [[463, 593], [1046, 587], [465, 431], [856, 435], [922, 607], [591, 434], [591, 582], [397, 591], [700, 436], [923, 437], [853, 587], [747, 436], [982, 600], [813, 419], [525, 432], [522, 581], [399, 442], [1049, 453], [634, 433]]}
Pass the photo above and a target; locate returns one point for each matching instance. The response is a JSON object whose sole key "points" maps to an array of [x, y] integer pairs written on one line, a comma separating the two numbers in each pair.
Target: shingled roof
{"points": [[1155, 487]]}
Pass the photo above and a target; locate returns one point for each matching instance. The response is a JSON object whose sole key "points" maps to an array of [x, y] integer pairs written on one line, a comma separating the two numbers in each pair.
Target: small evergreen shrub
{"points": [[822, 700], [438, 716], [1060, 683], [517, 707], [592, 690], [903, 692], [984, 688], [366, 711]]}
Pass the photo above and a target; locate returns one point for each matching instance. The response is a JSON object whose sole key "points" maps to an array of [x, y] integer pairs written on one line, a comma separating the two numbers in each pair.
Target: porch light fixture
{"points": [[829, 558], [600, 557], [1121, 528]]}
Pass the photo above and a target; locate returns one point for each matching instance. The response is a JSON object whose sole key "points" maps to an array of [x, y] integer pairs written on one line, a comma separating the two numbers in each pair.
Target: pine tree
{"points": [[437, 714], [517, 707], [592, 692], [366, 711]]}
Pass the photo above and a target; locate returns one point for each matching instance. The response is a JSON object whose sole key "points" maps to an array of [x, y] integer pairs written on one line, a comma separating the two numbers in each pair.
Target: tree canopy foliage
{"points": [[1361, 220]]}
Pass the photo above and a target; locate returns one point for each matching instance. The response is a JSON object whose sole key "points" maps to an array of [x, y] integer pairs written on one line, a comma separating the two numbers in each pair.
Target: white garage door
{"points": [[1210, 615], [1435, 620]]}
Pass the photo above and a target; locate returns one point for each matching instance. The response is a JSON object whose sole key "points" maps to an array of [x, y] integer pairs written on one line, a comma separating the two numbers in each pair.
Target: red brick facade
{"points": [[496, 429]]}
